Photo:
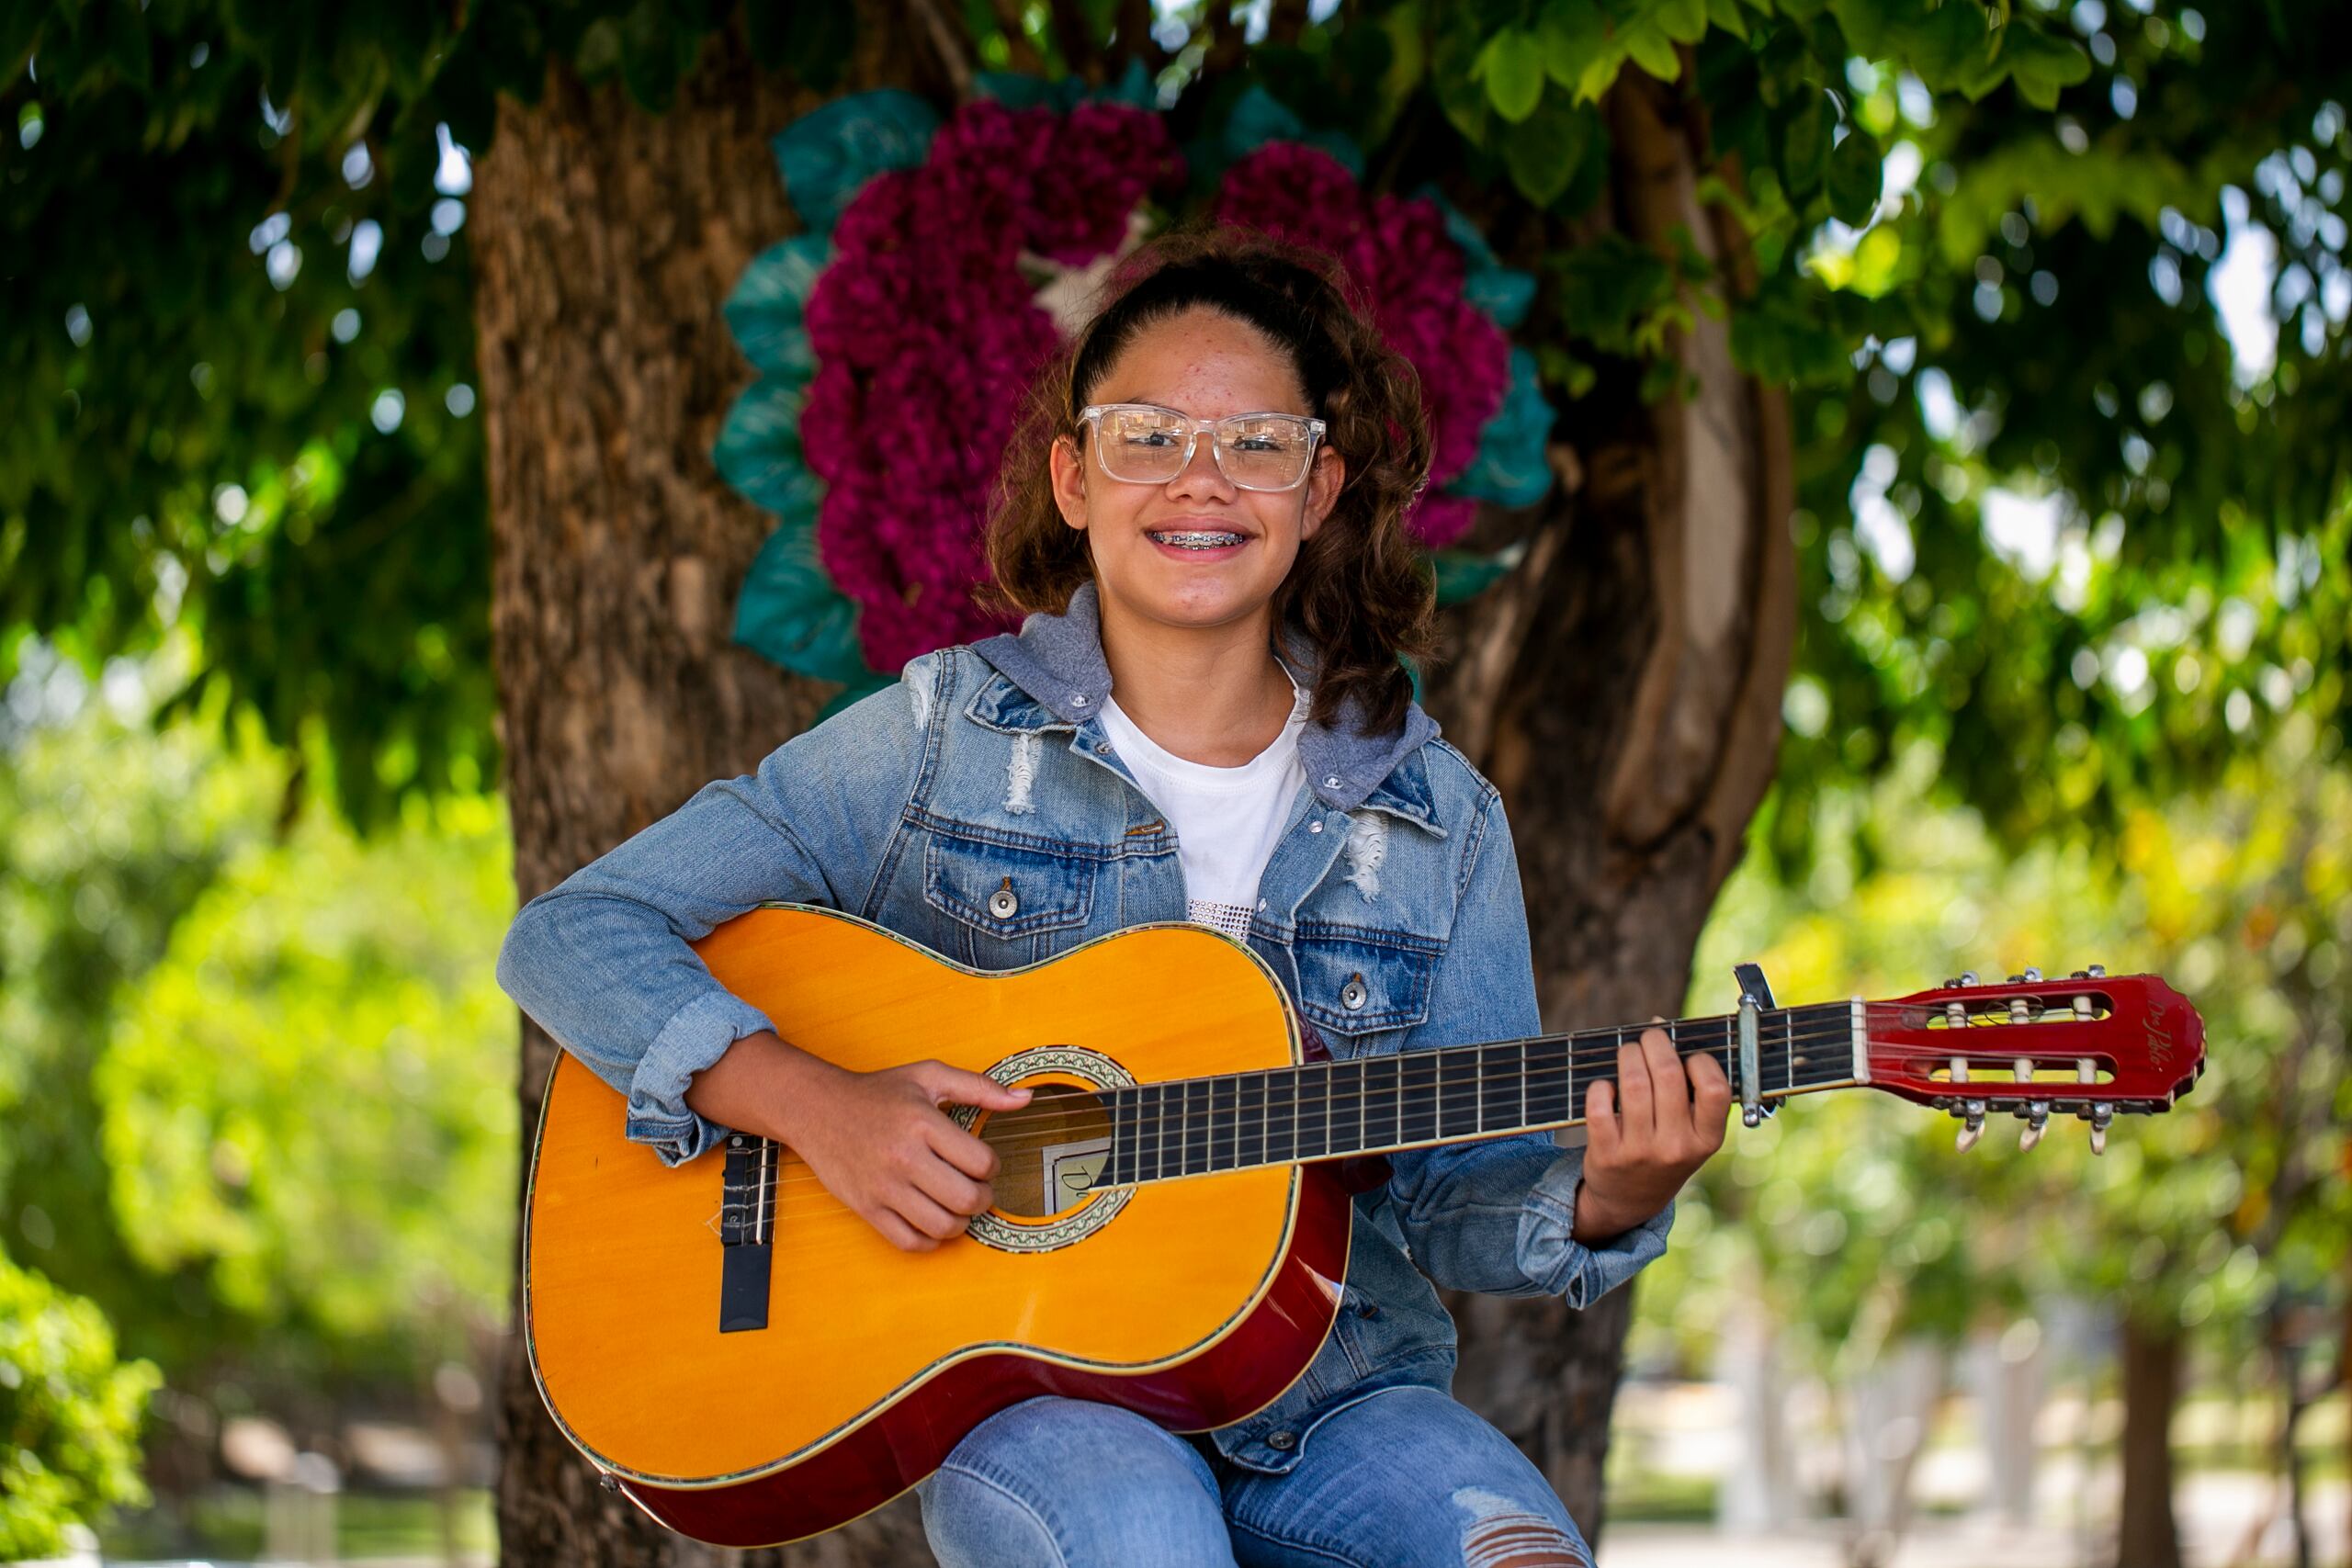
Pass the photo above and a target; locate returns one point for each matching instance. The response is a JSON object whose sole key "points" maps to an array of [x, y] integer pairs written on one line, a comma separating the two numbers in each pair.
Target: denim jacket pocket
{"points": [[1000, 897], [1356, 980]]}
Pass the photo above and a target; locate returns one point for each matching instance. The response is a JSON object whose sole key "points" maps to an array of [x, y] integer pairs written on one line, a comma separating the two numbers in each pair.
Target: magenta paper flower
{"points": [[1411, 273]]}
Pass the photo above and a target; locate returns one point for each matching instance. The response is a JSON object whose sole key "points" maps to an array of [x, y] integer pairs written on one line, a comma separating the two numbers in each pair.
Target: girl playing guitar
{"points": [[1204, 717]]}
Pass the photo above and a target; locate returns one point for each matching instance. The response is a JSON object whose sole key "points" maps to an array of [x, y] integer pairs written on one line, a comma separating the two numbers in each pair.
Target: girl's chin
{"points": [[1204, 602]]}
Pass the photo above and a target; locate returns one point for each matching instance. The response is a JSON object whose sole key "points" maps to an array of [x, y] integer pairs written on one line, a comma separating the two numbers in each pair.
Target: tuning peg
{"points": [[2098, 972], [2101, 1114], [2037, 1120], [1968, 977], [1971, 1125], [2032, 975]]}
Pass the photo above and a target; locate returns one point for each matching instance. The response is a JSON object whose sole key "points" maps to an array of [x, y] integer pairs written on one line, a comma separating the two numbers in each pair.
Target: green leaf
{"points": [[2042, 65], [758, 449], [1466, 574], [828, 154], [811, 41], [1544, 153], [1684, 21], [651, 45], [768, 307], [1460, 94], [1511, 467], [791, 613], [1572, 35], [1804, 142], [1655, 52], [1857, 168], [1513, 68], [1726, 14]]}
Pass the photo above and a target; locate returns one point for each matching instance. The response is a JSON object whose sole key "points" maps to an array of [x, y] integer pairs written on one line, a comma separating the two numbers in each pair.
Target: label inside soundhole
{"points": [[1049, 1151]]}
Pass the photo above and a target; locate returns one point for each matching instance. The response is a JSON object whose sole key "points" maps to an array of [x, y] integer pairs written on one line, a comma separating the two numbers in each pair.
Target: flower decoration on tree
{"points": [[896, 338]]}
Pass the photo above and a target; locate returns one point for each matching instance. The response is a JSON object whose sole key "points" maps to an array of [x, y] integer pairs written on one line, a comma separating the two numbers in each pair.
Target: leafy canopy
{"points": [[1982, 243]]}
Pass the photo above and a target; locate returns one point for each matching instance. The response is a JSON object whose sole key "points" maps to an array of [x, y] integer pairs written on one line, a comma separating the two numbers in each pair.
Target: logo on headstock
{"points": [[2160, 1042]]}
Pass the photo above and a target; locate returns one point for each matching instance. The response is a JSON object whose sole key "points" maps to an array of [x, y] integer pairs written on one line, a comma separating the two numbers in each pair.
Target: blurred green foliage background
{"points": [[2060, 293]]}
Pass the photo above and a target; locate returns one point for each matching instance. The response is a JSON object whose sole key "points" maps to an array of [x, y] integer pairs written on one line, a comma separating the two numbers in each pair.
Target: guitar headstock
{"points": [[2090, 1045]]}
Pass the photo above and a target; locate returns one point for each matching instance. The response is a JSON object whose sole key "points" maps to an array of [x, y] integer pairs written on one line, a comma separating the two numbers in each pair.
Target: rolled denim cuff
{"points": [[1565, 1266], [697, 1035]]}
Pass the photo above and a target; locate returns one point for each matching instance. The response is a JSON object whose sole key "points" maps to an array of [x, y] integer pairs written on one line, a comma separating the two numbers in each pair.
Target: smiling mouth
{"points": [[1199, 538]]}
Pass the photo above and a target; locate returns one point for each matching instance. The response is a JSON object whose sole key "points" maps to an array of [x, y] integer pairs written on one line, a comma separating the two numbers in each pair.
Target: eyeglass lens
{"points": [[1255, 451]]}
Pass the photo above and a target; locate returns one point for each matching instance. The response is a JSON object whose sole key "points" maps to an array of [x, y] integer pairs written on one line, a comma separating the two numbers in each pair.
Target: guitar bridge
{"points": [[747, 1232]]}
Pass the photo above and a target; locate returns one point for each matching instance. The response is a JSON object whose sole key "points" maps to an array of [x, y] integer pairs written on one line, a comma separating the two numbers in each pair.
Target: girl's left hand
{"points": [[1647, 1133]]}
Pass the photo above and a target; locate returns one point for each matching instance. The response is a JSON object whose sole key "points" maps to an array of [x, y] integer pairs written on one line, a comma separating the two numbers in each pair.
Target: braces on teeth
{"points": [[1197, 540]]}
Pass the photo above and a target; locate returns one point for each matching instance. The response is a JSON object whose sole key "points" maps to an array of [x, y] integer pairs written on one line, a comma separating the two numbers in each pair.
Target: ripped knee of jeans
{"points": [[1502, 1534]]}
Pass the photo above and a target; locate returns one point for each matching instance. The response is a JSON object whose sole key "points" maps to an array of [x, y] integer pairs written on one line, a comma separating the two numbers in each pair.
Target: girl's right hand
{"points": [[881, 1143]]}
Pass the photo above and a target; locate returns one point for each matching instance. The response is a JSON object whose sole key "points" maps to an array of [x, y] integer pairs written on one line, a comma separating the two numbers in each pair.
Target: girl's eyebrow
{"points": [[1170, 408]]}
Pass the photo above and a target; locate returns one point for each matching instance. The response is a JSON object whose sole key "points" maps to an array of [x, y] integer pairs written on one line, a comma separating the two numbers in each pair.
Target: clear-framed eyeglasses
{"points": [[1145, 443]]}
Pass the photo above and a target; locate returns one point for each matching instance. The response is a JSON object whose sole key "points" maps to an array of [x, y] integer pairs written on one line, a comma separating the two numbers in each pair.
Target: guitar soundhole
{"points": [[1051, 1151]]}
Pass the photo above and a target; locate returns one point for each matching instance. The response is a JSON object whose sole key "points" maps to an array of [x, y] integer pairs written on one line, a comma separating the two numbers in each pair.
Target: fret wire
{"points": [[1250, 1125], [1280, 1092], [1314, 1115]]}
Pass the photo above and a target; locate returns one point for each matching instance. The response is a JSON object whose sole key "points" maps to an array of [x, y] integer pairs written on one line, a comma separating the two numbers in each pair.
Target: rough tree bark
{"points": [[1623, 689], [604, 240]]}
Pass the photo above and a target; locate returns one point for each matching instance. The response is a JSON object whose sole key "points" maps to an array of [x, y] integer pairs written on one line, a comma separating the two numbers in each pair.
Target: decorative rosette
{"points": [[897, 337]]}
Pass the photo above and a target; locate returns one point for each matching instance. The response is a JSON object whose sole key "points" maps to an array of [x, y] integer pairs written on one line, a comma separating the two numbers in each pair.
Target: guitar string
{"points": [[863, 1235], [1172, 1127], [1823, 1030], [1179, 1132], [1173, 1133]]}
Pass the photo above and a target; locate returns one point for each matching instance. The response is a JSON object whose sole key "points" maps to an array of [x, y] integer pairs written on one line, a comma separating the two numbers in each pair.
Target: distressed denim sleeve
{"points": [[601, 959], [1495, 1215]]}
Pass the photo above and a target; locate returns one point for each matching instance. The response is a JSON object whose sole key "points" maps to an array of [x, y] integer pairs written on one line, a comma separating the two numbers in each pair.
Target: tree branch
{"points": [[1022, 54], [1133, 37], [1074, 36], [1227, 45], [949, 42]]}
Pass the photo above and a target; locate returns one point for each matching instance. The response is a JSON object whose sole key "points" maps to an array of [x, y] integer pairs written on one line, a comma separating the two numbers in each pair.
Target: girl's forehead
{"points": [[1202, 358]]}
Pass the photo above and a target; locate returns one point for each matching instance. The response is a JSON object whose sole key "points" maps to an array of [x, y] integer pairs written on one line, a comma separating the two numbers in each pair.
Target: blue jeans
{"points": [[1404, 1478]]}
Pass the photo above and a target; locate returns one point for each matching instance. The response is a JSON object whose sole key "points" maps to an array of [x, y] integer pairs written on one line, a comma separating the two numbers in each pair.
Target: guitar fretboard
{"points": [[1330, 1109]]}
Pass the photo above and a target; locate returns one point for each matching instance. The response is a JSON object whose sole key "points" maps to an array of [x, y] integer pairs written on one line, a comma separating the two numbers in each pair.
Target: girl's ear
{"points": [[1069, 467], [1324, 483]]}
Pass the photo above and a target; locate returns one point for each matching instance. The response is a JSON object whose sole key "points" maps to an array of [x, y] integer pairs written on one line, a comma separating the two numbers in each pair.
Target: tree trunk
{"points": [[1623, 690], [2149, 1536], [605, 241]]}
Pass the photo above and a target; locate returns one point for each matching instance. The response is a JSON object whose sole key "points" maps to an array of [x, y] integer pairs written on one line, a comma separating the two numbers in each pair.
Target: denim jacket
{"points": [[990, 761]]}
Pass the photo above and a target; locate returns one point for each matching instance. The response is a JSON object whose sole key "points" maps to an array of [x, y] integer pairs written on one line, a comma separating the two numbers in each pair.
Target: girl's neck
{"points": [[1210, 694]]}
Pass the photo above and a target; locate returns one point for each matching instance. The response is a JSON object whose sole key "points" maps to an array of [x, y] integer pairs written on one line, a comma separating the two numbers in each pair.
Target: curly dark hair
{"points": [[1358, 592]]}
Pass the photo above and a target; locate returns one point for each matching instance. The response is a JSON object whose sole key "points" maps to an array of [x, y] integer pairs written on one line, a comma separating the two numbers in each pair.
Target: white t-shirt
{"points": [[1225, 820]]}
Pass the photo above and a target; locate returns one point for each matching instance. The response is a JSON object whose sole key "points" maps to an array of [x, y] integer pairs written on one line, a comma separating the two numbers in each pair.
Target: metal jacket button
{"points": [[1285, 1441], [1002, 903], [1314, 827], [1353, 994]]}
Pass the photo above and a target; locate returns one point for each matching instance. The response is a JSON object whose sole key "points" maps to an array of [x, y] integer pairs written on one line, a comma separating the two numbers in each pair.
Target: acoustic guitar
{"points": [[752, 1363]]}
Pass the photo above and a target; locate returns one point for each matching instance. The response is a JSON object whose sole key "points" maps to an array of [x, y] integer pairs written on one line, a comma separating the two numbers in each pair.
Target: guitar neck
{"points": [[1330, 1109]]}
